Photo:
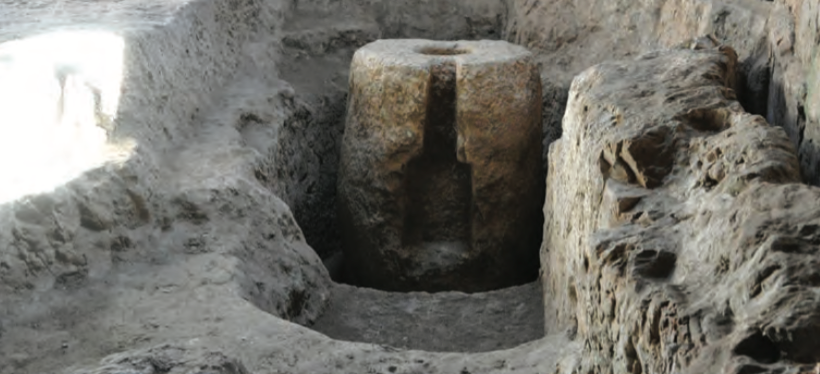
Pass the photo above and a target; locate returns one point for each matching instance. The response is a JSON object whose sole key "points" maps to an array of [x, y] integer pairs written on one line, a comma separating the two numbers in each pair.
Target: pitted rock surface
{"points": [[187, 260], [684, 247]]}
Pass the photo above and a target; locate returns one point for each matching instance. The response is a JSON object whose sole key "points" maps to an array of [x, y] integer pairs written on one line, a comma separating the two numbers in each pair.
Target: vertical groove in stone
{"points": [[439, 188], [439, 171]]}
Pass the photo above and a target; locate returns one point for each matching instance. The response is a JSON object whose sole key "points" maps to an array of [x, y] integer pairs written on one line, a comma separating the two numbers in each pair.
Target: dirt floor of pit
{"points": [[443, 322]]}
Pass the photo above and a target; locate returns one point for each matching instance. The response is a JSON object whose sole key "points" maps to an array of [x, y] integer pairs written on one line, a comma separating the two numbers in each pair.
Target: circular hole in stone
{"points": [[443, 51]]}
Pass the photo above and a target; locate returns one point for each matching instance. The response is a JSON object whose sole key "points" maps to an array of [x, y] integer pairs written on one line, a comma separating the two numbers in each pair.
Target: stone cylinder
{"points": [[439, 182]]}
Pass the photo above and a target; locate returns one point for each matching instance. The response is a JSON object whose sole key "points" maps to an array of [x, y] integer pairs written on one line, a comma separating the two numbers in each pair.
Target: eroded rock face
{"points": [[202, 278], [685, 242], [792, 94], [440, 165], [776, 42]]}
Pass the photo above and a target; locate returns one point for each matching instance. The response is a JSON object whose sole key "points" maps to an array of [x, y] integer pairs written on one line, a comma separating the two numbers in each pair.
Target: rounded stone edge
{"points": [[411, 51]]}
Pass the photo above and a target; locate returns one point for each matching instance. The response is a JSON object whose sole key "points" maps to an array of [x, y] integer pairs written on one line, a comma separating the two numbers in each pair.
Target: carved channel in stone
{"points": [[439, 187], [430, 139]]}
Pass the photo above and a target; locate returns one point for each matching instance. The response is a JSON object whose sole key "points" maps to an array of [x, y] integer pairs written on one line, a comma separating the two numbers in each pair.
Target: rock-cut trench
{"points": [[194, 224], [446, 320]]}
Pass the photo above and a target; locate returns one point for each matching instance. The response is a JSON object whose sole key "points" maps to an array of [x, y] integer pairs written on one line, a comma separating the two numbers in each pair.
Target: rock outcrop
{"points": [[775, 42], [686, 242], [679, 236]]}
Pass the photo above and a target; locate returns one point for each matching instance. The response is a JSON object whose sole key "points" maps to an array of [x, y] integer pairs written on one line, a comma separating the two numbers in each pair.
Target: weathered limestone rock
{"points": [[677, 235], [440, 166], [202, 279], [793, 98], [776, 42]]}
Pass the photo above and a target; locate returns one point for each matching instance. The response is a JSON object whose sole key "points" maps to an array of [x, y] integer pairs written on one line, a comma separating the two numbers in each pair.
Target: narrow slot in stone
{"points": [[439, 188]]}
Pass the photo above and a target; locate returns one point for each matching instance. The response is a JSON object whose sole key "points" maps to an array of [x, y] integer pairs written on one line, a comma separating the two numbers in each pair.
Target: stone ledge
{"points": [[678, 274]]}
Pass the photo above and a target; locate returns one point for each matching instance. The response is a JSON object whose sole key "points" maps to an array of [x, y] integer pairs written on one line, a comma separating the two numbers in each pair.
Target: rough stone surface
{"points": [[318, 41], [792, 95], [437, 192], [684, 246], [186, 260], [775, 41]]}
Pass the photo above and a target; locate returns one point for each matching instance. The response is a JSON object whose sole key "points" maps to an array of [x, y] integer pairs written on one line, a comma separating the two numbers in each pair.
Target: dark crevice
{"points": [[754, 78], [439, 188], [759, 348]]}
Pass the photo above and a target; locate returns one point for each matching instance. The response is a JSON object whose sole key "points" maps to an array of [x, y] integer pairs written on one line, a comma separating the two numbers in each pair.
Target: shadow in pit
{"points": [[787, 110]]}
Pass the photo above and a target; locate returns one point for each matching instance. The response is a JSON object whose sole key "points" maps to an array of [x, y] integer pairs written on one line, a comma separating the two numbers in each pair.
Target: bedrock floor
{"points": [[439, 322]]}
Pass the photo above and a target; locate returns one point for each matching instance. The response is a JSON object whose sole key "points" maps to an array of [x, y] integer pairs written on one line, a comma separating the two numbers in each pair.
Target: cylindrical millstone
{"points": [[439, 184]]}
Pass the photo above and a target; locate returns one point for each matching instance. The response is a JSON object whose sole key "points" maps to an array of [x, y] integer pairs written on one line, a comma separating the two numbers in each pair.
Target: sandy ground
{"points": [[442, 322]]}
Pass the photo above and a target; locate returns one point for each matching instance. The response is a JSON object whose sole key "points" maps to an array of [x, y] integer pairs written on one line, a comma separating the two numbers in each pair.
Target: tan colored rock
{"points": [[440, 165]]}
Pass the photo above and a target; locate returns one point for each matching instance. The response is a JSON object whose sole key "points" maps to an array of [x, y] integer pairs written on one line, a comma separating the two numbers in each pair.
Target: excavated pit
{"points": [[199, 251]]}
